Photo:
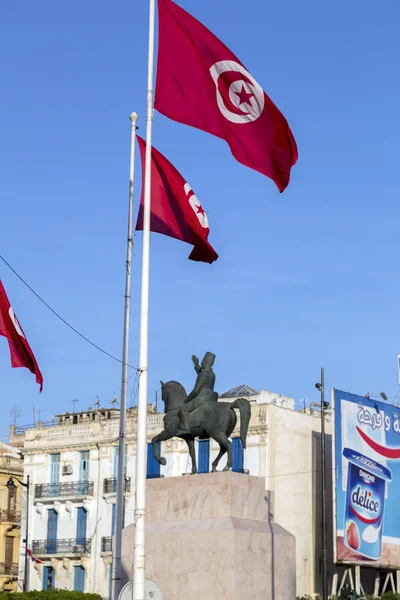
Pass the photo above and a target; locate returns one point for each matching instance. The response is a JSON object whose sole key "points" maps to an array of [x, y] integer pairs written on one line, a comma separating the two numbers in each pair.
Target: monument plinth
{"points": [[209, 537]]}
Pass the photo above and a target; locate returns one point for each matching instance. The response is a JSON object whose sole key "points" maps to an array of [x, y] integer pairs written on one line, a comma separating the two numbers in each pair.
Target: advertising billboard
{"points": [[367, 481]]}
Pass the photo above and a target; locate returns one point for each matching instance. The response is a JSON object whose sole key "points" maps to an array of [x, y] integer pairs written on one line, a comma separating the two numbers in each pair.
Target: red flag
{"points": [[33, 558], [20, 351], [175, 210], [201, 83]]}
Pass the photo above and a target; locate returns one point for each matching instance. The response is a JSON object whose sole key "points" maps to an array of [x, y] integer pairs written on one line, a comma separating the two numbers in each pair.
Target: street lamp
{"points": [[320, 385], [12, 487]]}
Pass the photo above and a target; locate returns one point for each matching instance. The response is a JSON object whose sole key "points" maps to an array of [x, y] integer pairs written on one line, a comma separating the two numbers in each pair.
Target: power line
{"points": [[60, 317]]}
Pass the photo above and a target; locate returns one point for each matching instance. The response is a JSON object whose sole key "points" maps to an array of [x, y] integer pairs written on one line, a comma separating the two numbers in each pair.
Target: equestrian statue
{"points": [[201, 415]]}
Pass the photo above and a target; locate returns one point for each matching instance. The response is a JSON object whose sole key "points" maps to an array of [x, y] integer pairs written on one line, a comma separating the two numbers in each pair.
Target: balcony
{"points": [[9, 516], [9, 569], [65, 547], [110, 485], [63, 490], [106, 544]]}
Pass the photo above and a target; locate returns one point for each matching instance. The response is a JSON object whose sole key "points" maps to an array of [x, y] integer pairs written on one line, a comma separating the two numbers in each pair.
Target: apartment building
{"points": [[72, 466]]}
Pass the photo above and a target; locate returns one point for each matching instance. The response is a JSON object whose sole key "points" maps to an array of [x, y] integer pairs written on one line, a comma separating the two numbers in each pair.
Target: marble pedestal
{"points": [[208, 538]]}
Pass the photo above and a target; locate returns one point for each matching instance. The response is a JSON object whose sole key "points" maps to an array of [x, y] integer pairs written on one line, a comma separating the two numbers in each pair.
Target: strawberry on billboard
{"points": [[367, 480]]}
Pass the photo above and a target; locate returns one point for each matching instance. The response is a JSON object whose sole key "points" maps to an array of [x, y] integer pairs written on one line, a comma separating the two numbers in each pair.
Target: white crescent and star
{"points": [[14, 321], [245, 95], [196, 206]]}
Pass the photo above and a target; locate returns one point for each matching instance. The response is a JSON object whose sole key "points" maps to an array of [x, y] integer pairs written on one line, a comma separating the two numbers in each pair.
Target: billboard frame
{"points": [[377, 566]]}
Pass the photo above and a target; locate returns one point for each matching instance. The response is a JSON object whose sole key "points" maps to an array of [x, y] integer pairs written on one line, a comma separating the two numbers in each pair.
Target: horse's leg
{"points": [[216, 461], [161, 437], [192, 453], [223, 441]]}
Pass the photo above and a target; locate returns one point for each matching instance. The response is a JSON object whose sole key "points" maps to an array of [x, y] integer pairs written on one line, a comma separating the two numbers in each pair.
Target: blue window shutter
{"points": [[48, 578], [54, 475], [112, 519], [84, 465], [52, 522], [153, 467], [81, 526], [79, 579], [237, 455], [54, 468], [204, 456], [116, 460], [116, 454]]}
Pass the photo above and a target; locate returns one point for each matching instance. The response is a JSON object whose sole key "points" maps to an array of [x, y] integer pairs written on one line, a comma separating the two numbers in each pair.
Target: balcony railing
{"points": [[106, 544], [57, 490], [9, 516], [110, 485], [9, 569], [68, 546]]}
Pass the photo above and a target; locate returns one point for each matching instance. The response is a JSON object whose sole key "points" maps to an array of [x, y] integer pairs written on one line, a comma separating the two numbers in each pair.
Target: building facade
{"points": [[11, 465], [72, 466]]}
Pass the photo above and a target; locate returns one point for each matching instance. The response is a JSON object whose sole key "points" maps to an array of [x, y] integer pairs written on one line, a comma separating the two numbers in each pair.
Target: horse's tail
{"points": [[245, 411]]}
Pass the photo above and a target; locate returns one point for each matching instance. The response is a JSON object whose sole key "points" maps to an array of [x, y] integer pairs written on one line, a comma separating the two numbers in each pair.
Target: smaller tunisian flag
{"points": [[20, 351], [33, 558], [201, 83], [175, 210]]}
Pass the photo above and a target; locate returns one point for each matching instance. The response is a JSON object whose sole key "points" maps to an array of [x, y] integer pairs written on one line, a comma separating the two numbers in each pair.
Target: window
{"points": [[79, 579], [81, 526], [48, 578], [204, 456], [9, 552], [84, 457], [84, 465], [237, 455], [116, 460], [153, 467], [54, 474], [52, 523]]}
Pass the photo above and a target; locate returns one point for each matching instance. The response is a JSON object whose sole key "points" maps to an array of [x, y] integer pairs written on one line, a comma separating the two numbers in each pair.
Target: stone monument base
{"points": [[208, 537]]}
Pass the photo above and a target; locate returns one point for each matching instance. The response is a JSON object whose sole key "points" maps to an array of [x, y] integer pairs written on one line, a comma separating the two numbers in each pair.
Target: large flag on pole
{"points": [[20, 351], [201, 83], [175, 210]]}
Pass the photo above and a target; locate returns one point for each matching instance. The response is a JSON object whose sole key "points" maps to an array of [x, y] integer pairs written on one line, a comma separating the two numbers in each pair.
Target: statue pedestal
{"points": [[208, 537]]}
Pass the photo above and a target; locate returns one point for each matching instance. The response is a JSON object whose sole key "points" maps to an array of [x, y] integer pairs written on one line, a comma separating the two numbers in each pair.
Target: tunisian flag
{"points": [[201, 83], [20, 351], [175, 210]]}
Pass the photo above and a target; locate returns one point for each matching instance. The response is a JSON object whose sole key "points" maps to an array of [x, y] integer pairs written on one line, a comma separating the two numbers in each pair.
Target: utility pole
{"points": [[321, 387]]}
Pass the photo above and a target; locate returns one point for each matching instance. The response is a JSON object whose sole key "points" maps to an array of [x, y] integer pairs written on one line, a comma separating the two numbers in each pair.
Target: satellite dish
{"points": [[151, 591]]}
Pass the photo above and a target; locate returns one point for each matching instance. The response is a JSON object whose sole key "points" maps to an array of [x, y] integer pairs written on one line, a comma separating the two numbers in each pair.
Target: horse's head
{"points": [[173, 394]]}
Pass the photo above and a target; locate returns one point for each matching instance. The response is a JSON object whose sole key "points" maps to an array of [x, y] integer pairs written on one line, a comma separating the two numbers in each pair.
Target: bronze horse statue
{"points": [[212, 419]]}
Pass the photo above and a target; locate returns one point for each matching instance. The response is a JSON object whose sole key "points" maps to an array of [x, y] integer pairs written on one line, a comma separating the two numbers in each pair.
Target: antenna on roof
{"points": [[97, 402], [74, 401], [114, 400], [15, 414]]}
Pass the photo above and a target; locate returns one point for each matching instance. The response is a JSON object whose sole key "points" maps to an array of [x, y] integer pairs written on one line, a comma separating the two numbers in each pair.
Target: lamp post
{"points": [[324, 405], [11, 486]]}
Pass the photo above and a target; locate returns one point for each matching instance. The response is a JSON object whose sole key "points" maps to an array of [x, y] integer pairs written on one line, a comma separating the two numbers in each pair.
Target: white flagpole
{"points": [[139, 556], [119, 513]]}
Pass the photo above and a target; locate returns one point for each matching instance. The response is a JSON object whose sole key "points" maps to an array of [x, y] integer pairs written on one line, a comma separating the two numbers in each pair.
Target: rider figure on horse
{"points": [[203, 390]]}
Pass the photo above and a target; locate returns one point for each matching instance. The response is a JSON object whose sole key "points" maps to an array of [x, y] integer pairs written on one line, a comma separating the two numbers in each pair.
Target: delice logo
{"points": [[364, 500]]}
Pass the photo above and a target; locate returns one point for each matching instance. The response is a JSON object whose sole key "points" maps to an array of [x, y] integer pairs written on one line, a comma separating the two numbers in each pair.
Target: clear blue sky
{"points": [[304, 279]]}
